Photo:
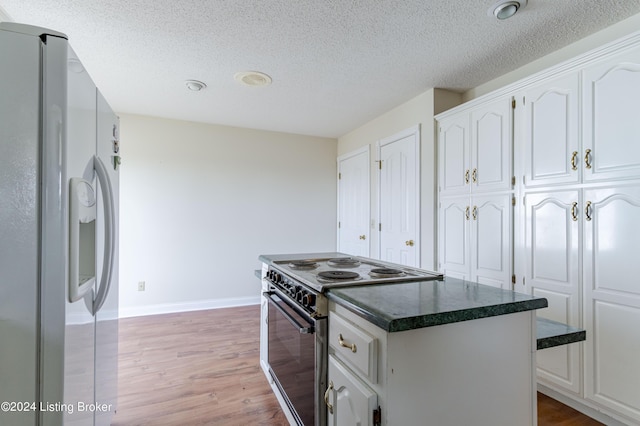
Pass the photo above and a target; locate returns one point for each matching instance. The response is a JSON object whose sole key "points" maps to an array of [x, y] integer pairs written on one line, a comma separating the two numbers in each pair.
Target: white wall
{"points": [[419, 110], [200, 202]]}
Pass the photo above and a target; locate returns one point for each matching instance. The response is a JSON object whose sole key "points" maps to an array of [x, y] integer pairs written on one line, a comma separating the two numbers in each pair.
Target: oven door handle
{"points": [[301, 328]]}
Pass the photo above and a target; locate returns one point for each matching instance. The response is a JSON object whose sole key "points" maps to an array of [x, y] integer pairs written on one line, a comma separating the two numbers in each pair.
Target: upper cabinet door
{"points": [[454, 155], [551, 146], [491, 146], [611, 118]]}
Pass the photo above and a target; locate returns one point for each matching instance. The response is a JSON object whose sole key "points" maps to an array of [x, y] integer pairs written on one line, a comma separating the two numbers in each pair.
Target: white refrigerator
{"points": [[59, 186]]}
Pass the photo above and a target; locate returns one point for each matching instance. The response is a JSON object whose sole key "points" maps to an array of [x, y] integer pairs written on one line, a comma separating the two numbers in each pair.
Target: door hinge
{"points": [[377, 417], [379, 227], [513, 103], [379, 164], [513, 278], [339, 176], [513, 201], [339, 225]]}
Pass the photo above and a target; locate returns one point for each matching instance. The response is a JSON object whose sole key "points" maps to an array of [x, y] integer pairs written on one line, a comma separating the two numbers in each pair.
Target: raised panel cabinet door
{"points": [[490, 240], [491, 146], [349, 400], [552, 246], [612, 297], [612, 118], [353, 203], [551, 146], [454, 174], [453, 238]]}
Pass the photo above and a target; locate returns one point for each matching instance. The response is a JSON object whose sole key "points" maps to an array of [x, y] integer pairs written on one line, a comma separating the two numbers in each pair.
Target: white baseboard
{"points": [[167, 308]]}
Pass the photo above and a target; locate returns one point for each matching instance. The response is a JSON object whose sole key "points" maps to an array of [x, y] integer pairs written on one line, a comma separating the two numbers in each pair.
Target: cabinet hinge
{"points": [[513, 201], [380, 164], [339, 225], [513, 103], [513, 181], [379, 227], [377, 417], [339, 176], [513, 278]]}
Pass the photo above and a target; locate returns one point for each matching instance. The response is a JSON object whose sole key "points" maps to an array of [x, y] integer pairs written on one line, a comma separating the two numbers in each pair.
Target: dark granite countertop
{"points": [[553, 333], [411, 305]]}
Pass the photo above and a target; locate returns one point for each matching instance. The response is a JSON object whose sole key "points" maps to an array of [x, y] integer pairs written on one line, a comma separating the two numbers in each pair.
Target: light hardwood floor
{"points": [[202, 368]]}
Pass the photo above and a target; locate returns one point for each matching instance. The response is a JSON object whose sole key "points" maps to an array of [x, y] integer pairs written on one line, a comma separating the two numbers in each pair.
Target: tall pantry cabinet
{"points": [[475, 193], [576, 167]]}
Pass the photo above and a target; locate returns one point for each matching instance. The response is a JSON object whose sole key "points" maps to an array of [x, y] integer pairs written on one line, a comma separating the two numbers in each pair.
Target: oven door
{"points": [[292, 357]]}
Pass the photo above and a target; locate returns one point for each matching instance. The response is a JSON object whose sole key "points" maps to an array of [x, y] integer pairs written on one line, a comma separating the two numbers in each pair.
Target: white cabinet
{"points": [[552, 244], [475, 213], [579, 157], [612, 297], [454, 374], [611, 89], [476, 238], [349, 400], [551, 130], [475, 149]]}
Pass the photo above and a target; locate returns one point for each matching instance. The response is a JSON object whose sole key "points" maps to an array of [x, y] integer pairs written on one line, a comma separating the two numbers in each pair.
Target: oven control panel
{"points": [[296, 292]]}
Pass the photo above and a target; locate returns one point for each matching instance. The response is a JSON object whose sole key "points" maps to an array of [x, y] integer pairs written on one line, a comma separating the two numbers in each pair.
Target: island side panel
{"points": [[479, 372]]}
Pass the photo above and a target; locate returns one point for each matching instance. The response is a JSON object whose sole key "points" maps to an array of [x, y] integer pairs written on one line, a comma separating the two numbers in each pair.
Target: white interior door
{"points": [[354, 210], [400, 198]]}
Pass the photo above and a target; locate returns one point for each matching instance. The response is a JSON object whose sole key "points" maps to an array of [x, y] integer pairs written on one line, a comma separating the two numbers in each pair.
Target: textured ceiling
{"points": [[335, 64]]}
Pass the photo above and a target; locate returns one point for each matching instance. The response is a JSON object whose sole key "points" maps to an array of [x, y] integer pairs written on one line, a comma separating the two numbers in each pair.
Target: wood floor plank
{"points": [[203, 368]]}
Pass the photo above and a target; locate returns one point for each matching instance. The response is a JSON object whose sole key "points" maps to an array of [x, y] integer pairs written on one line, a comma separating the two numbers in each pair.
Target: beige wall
{"points": [[417, 111], [200, 203]]}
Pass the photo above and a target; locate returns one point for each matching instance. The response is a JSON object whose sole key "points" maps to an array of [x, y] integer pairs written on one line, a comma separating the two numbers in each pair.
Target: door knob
{"points": [[409, 243], [362, 237]]}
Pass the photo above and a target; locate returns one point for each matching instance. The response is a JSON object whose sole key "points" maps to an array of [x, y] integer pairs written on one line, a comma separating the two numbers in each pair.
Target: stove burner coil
{"points": [[386, 273], [343, 262], [338, 275], [303, 264]]}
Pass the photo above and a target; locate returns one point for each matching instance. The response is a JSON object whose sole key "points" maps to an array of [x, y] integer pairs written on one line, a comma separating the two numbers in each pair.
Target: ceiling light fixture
{"points": [[505, 9], [195, 85], [252, 78]]}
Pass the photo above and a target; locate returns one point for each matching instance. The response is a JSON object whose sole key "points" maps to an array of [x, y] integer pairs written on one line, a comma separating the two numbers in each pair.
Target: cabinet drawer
{"points": [[354, 346]]}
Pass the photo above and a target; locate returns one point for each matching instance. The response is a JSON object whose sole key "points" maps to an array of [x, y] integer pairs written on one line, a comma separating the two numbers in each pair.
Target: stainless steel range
{"points": [[297, 321]]}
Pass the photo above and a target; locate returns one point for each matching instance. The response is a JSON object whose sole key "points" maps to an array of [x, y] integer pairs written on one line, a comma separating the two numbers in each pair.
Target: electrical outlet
{"points": [[140, 285]]}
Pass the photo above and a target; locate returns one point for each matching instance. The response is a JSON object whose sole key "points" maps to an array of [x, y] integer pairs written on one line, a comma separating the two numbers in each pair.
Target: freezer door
{"points": [[19, 217]]}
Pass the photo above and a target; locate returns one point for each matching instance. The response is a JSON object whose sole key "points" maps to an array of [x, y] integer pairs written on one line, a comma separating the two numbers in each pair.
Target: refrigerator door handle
{"points": [[109, 238]]}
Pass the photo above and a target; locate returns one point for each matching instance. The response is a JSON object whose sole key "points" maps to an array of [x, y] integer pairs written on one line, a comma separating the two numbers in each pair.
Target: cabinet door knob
{"points": [[574, 211], [409, 243], [326, 397], [346, 345], [587, 210], [574, 160], [587, 158]]}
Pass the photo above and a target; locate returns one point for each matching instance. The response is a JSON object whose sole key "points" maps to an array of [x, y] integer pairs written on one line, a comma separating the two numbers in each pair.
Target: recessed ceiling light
{"points": [[195, 85], [505, 9], [252, 78]]}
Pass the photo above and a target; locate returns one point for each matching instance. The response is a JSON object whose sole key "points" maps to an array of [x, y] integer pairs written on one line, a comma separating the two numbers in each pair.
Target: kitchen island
{"points": [[441, 352]]}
